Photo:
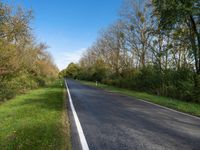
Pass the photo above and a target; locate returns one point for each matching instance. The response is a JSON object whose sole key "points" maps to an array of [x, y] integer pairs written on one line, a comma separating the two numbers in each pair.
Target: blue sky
{"points": [[68, 27]]}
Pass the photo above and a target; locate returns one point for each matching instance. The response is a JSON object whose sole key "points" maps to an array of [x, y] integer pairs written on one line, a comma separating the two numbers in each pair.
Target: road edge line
{"points": [[82, 138], [146, 101], [188, 115]]}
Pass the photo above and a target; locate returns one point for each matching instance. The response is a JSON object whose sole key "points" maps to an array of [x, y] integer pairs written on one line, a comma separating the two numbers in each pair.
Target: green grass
{"points": [[187, 107], [36, 120]]}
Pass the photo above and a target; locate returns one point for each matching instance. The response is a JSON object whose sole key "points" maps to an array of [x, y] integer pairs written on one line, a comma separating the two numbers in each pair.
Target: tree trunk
{"points": [[197, 47]]}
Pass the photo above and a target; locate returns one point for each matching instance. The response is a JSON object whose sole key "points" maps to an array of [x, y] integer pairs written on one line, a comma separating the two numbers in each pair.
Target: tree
{"points": [[173, 14], [24, 64], [72, 71], [138, 22]]}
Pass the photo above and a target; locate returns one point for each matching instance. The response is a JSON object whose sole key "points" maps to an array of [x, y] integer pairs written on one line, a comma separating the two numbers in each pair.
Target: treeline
{"points": [[153, 47], [24, 64]]}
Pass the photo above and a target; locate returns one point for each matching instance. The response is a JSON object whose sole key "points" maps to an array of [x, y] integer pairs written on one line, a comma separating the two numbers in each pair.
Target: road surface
{"points": [[112, 121]]}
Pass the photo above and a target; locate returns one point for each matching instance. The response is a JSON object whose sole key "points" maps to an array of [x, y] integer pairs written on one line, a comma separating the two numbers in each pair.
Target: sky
{"points": [[69, 27]]}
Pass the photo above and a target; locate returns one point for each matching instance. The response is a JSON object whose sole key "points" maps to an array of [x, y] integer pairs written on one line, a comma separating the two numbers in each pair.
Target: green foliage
{"points": [[72, 71], [24, 64], [196, 91], [96, 72], [171, 83], [172, 12]]}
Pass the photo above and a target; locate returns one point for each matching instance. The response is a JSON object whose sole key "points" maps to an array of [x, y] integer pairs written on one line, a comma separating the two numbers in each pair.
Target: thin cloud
{"points": [[63, 59]]}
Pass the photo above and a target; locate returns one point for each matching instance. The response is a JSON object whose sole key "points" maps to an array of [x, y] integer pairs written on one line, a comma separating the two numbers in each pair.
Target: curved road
{"points": [[112, 121]]}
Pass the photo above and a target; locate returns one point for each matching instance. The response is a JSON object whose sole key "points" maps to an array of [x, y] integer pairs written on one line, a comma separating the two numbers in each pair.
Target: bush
{"points": [[171, 83]]}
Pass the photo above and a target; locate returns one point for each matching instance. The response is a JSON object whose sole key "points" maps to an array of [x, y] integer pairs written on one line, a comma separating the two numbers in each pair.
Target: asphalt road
{"points": [[112, 121]]}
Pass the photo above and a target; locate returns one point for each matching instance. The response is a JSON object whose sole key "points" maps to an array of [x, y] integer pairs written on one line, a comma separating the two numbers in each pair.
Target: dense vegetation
{"points": [[36, 120], [153, 47], [24, 64]]}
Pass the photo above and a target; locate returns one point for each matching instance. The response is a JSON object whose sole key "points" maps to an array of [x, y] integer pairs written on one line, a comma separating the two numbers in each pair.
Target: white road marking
{"points": [[77, 122], [170, 109]]}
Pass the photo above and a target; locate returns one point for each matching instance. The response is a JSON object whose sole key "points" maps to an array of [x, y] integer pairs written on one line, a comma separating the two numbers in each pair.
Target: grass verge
{"points": [[36, 120], [187, 107]]}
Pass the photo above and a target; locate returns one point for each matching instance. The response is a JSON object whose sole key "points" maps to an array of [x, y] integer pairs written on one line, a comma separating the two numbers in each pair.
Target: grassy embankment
{"points": [[36, 120], [187, 107]]}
